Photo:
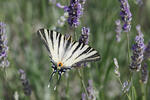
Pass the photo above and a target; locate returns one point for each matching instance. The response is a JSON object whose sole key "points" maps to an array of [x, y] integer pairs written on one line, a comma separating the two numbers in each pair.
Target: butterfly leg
{"points": [[54, 71]]}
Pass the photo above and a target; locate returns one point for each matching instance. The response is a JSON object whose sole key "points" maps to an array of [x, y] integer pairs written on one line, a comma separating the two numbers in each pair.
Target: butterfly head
{"points": [[59, 65]]}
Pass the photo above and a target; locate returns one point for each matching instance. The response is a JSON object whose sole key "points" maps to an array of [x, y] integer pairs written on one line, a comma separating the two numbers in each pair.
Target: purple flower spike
{"points": [[75, 10], [138, 50], [125, 15], [3, 47], [84, 38], [25, 82]]}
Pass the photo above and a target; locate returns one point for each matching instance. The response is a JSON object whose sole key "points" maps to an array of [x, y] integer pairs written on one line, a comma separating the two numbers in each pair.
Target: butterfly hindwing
{"points": [[81, 53], [66, 50]]}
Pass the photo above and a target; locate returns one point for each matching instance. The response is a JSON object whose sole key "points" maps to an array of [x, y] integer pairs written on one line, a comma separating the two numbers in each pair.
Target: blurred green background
{"points": [[24, 17]]}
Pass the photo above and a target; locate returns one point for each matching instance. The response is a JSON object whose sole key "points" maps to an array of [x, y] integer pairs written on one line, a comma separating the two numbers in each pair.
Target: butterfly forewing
{"points": [[62, 49]]}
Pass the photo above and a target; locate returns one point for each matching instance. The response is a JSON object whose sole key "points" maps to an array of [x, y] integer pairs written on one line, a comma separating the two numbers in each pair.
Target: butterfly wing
{"points": [[78, 53], [66, 50], [52, 42]]}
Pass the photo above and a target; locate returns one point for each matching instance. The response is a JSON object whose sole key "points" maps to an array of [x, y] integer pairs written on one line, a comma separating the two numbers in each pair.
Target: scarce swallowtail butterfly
{"points": [[64, 52]]}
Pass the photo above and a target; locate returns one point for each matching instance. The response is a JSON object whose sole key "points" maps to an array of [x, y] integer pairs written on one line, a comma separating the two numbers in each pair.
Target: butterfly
{"points": [[64, 52]]}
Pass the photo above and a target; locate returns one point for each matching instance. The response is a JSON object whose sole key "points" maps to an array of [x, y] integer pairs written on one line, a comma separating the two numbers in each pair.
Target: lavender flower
{"points": [[90, 91], [144, 73], [83, 96], [126, 86], [3, 47], [62, 19], [25, 82], [138, 50], [84, 38], [118, 30], [75, 10], [116, 68], [147, 51], [139, 2], [125, 15]]}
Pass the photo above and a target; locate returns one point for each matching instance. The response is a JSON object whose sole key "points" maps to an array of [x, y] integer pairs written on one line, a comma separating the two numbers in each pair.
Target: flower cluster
{"points": [[125, 15], [118, 30], [138, 50], [75, 10], [84, 38], [3, 47], [25, 82], [144, 73]]}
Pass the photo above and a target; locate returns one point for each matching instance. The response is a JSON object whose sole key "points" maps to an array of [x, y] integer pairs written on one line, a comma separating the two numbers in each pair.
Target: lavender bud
{"points": [[90, 91], [59, 5], [3, 47], [126, 86], [84, 38], [144, 73], [83, 96], [25, 82], [116, 68], [61, 20], [138, 50], [118, 30], [139, 2], [125, 15]]}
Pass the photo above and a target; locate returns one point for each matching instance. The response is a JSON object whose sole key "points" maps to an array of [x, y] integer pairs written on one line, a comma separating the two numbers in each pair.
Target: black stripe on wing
{"points": [[41, 34], [59, 39], [51, 37], [68, 43], [84, 52]]}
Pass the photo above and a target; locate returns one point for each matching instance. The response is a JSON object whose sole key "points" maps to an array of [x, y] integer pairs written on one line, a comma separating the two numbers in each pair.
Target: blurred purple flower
{"points": [[83, 96], [125, 15], [25, 82], [84, 38], [144, 72], [126, 86], [3, 46], [59, 5], [138, 50], [90, 91], [75, 10], [118, 30], [139, 2], [147, 51]]}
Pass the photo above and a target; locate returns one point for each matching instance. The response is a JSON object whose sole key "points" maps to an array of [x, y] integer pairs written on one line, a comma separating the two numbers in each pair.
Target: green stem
{"points": [[128, 46], [82, 81], [143, 91]]}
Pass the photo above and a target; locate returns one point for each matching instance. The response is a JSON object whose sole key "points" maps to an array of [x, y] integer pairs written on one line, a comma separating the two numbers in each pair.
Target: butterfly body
{"points": [[64, 52]]}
